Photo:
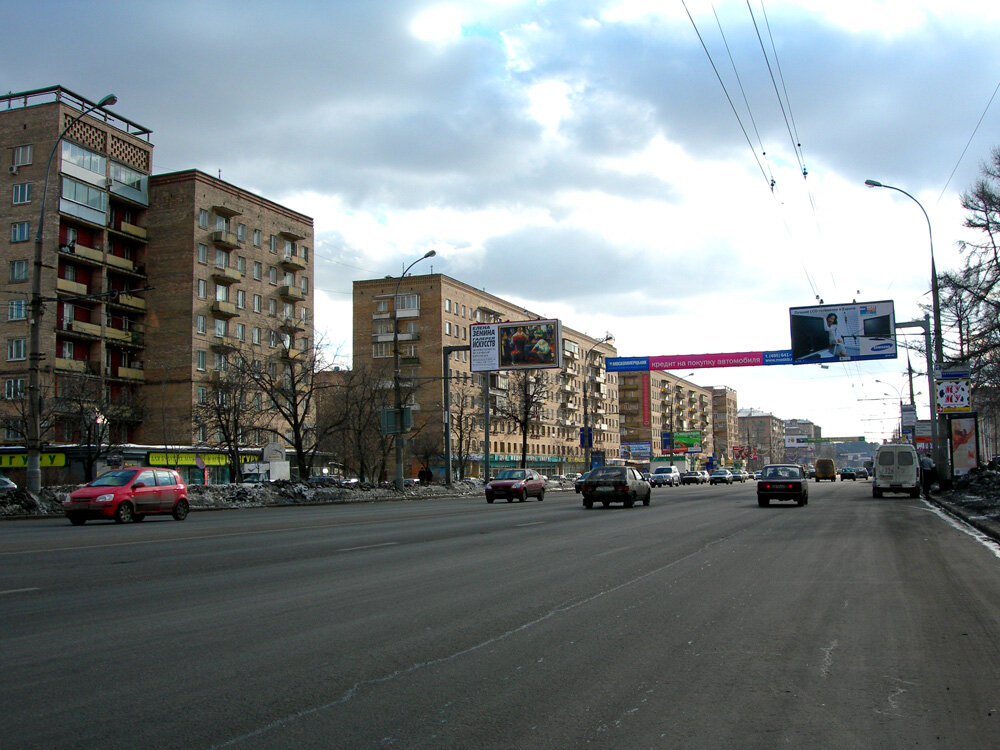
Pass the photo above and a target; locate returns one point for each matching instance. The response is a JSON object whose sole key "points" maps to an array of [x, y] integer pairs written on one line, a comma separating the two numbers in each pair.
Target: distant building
{"points": [[667, 416], [725, 425], [764, 433], [799, 434]]}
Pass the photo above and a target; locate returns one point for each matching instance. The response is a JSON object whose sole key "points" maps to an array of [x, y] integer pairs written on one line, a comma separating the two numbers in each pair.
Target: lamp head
{"points": [[874, 183], [108, 101], [430, 254]]}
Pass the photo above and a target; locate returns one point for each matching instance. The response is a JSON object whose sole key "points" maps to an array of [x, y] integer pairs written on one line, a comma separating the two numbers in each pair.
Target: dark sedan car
{"points": [[692, 477], [848, 473], [782, 482], [516, 483], [615, 484], [578, 484]]}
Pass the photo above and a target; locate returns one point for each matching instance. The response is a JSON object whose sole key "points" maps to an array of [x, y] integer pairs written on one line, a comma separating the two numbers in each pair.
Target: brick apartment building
{"points": [[433, 311], [146, 282]]}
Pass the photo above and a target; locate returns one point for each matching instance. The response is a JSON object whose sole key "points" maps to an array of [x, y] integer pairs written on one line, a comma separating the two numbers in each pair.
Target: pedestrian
{"points": [[928, 474]]}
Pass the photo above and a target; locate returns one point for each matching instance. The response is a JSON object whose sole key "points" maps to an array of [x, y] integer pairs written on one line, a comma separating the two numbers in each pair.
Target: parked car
{"points": [[692, 477], [896, 470], [7, 484], [721, 476], [578, 484], [782, 482], [516, 483], [847, 473], [615, 484], [668, 476], [127, 495]]}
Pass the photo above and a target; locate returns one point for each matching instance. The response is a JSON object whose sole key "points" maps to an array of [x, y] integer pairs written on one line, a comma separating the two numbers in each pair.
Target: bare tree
{"points": [[229, 409], [466, 422], [527, 392], [350, 413]]}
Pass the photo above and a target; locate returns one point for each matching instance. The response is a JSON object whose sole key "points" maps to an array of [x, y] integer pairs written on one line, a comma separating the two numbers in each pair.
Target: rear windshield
{"points": [[782, 472], [609, 472]]}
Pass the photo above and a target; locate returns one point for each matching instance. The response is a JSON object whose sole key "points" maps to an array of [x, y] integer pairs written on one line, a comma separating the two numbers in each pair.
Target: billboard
{"points": [[690, 440], [964, 443], [847, 333], [515, 345]]}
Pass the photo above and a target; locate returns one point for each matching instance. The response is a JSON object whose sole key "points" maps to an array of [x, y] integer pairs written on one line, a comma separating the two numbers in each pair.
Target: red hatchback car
{"points": [[127, 495], [516, 483]]}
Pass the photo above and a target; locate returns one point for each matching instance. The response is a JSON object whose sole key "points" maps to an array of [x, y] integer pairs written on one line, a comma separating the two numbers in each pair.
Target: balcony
{"points": [[227, 275], [117, 334], [83, 252], [407, 361], [129, 300], [72, 365], [225, 343], [74, 288], [116, 261], [225, 309], [83, 328], [136, 232], [225, 239], [290, 292], [292, 325], [291, 262], [131, 373]]}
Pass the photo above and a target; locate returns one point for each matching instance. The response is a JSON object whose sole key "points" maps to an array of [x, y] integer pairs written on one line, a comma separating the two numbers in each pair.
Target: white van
{"points": [[665, 475], [896, 470]]}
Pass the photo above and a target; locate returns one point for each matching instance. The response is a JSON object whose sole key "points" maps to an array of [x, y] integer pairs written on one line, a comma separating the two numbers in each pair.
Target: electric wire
{"points": [[726, 92], [969, 142]]}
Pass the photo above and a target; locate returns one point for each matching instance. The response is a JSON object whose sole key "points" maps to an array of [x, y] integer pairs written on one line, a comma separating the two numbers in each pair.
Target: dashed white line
{"points": [[367, 546], [19, 591]]}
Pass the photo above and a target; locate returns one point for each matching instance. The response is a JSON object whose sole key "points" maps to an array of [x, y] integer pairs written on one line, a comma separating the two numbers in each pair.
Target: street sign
{"points": [[397, 421]]}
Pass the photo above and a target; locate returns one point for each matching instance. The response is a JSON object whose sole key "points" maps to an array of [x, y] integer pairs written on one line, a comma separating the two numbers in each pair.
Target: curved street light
{"points": [[34, 427], [398, 436]]}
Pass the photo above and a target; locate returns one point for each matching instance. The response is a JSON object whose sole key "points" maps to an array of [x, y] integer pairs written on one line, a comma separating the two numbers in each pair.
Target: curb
{"points": [[974, 518]]}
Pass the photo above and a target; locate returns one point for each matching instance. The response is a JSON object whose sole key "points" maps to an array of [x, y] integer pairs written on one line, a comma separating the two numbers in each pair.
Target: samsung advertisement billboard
{"points": [[843, 333]]}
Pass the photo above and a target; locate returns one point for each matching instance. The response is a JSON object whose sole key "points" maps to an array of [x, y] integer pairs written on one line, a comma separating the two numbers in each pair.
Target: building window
{"points": [[202, 289], [256, 238], [200, 323], [125, 176], [447, 305], [241, 332], [381, 305], [241, 265], [17, 309], [15, 388], [447, 327], [272, 307], [257, 302], [84, 158], [272, 339], [258, 270], [200, 360], [272, 275], [202, 433], [288, 310], [16, 350], [220, 362], [255, 336], [304, 285], [203, 218], [84, 194], [304, 252], [202, 394], [241, 232], [221, 258], [202, 253], [20, 231], [22, 155], [22, 193], [382, 327], [221, 223], [241, 299], [221, 293], [272, 244], [19, 270], [408, 302], [221, 327], [381, 349]]}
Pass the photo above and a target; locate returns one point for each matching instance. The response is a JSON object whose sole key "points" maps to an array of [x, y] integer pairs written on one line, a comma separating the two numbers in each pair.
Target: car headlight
{"points": [[489, 486], [104, 498]]}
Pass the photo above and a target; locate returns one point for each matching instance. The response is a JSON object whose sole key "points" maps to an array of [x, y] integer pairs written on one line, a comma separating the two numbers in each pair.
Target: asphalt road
{"points": [[702, 621]]}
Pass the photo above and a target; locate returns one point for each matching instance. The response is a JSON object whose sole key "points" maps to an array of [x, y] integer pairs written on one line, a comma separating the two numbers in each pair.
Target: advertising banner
{"points": [[845, 333], [690, 441], [645, 400], [637, 451], [516, 345], [697, 361], [952, 396], [964, 438]]}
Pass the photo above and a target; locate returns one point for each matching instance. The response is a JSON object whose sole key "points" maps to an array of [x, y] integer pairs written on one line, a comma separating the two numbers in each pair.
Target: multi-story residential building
{"points": [[232, 276], [147, 282], [725, 427], [799, 437], [664, 418], [93, 272], [422, 314], [764, 433]]}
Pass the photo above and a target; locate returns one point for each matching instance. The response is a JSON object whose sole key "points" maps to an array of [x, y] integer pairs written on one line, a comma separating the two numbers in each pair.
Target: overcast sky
{"points": [[579, 157]]}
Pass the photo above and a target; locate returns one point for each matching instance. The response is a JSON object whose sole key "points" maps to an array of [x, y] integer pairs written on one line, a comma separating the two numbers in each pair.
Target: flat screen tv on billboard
{"points": [[515, 345], [843, 333]]}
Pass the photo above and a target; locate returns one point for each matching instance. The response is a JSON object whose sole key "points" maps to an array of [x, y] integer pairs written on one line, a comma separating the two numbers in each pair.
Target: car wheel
{"points": [[76, 519], [915, 492], [181, 510], [629, 501], [800, 502], [510, 499], [588, 504], [489, 500], [647, 499], [763, 502], [876, 492], [541, 495], [523, 496], [124, 512]]}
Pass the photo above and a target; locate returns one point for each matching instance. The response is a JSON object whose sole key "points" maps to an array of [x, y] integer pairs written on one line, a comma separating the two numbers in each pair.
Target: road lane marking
{"points": [[530, 523], [367, 546], [19, 591]]}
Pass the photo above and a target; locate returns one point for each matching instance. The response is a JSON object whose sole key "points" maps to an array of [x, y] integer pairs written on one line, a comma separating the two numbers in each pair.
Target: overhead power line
{"points": [[974, 131]]}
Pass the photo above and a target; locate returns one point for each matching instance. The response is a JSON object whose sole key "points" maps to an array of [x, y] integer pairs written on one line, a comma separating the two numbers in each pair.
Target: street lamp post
{"points": [[397, 391], [940, 452], [587, 442], [34, 427]]}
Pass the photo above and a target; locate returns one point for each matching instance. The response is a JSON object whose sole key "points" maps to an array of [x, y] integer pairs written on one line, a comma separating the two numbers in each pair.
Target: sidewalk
{"points": [[981, 513]]}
